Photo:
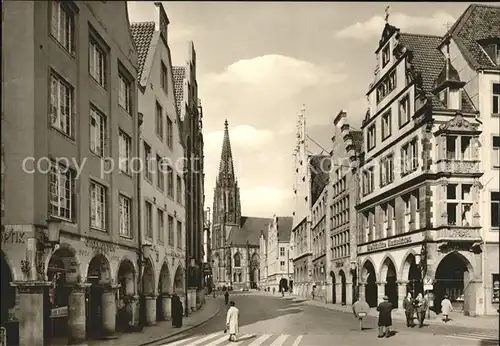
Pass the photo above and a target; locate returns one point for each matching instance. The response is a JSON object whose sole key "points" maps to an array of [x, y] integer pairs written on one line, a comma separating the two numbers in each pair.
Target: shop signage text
{"points": [[99, 246], [174, 254], [12, 237], [400, 241]]}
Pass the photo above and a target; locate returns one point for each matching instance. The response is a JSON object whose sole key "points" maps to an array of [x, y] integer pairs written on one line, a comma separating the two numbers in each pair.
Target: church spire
{"points": [[226, 167]]}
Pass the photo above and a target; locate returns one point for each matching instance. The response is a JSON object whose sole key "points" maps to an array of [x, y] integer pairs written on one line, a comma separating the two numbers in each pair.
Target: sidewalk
{"points": [[457, 319], [164, 329]]}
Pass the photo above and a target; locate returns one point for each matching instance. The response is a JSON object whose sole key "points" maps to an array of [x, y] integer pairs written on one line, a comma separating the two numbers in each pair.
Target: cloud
{"points": [[373, 27]]}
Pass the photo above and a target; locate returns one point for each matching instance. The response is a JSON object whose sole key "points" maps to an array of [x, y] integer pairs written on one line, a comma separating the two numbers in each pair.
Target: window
{"points": [[61, 192], [495, 279], [371, 137], [61, 105], [170, 181], [170, 132], [496, 152], [451, 147], [124, 93], [386, 86], [496, 99], [170, 230], [97, 65], [459, 204], [282, 251], [148, 219], [404, 111], [495, 209], [179, 189], [386, 125], [124, 148], [160, 177], [125, 209], [163, 77], [97, 131], [368, 180], [386, 55], [409, 157], [443, 97], [493, 50], [179, 234], [387, 170], [160, 226], [62, 25], [282, 266], [237, 260], [97, 206], [159, 121], [147, 162]]}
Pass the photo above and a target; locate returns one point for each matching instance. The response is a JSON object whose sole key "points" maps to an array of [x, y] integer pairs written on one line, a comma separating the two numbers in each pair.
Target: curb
{"points": [[184, 330]]}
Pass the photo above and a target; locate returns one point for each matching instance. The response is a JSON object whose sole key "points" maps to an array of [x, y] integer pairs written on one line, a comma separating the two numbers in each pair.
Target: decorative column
{"points": [[31, 319], [402, 290], [348, 290], [76, 314], [192, 298], [166, 302], [150, 301], [362, 291], [134, 308], [109, 311], [380, 291]]}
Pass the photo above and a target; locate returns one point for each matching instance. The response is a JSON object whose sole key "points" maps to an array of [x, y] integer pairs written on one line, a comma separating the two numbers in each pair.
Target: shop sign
{"points": [[13, 237], [175, 254], [100, 246], [391, 243], [59, 312]]}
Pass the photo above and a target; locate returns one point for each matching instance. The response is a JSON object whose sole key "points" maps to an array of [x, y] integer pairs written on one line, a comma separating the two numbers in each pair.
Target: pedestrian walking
{"points": [[226, 297], [422, 306], [232, 324], [409, 310], [313, 292], [384, 318], [177, 311], [446, 308]]}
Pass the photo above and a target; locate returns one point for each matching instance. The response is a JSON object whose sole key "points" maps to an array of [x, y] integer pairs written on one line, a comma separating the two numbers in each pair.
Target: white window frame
{"points": [[97, 62], [62, 25], [386, 124], [61, 192], [282, 251], [160, 175], [159, 120], [148, 153], [495, 99], [124, 93], [170, 132], [171, 231], [170, 182], [125, 216], [386, 55], [460, 202], [124, 152], [179, 234], [160, 225], [97, 131], [282, 266], [179, 189], [164, 77], [61, 105], [404, 111], [371, 134], [148, 219], [98, 203]]}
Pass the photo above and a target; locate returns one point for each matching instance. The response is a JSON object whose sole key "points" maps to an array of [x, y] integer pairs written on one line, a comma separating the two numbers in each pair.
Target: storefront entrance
{"points": [[369, 278], [98, 276], [452, 279], [334, 288], [343, 295], [388, 275]]}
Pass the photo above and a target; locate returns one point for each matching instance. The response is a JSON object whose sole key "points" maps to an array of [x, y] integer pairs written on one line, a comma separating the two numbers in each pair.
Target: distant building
{"points": [[235, 238]]}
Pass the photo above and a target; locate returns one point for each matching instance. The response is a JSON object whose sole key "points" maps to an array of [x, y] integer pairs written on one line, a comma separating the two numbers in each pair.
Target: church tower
{"points": [[227, 206]]}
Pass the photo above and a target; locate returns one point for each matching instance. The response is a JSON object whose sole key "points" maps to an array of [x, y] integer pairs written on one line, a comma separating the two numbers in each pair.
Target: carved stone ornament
{"points": [[458, 123]]}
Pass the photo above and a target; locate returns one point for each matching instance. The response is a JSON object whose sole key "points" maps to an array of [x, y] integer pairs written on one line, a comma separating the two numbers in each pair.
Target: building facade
{"points": [[476, 56], [276, 254], [419, 216], [346, 148], [191, 116], [69, 92], [161, 150], [235, 238]]}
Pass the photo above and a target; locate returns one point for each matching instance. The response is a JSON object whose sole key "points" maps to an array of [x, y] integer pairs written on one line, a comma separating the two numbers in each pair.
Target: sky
{"points": [[259, 62]]}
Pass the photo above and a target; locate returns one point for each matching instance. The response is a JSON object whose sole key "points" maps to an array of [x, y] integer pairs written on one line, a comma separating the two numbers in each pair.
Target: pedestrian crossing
{"points": [[221, 339], [486, 338]]}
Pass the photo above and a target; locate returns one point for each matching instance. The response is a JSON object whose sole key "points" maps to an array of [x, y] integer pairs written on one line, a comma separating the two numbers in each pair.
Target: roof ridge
{"points": [[144, 22], [421, 35]]}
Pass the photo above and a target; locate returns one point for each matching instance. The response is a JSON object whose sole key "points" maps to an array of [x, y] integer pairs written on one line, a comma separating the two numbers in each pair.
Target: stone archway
{"points": [[8, 300], [343, 287], [334, 288], [126, 309], [126, 278], [99, 277], [148, 279], [453, 276], [179, 281], [163, 308], [388, 275], [254, 270], [410, 272], [369, 279]]}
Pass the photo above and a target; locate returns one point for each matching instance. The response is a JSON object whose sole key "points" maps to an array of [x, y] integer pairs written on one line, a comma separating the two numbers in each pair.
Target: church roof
{"points": [[226, 167], [285, 224], [250, 230]]}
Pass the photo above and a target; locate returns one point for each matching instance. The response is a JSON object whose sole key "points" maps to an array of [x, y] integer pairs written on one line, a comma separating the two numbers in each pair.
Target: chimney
{"points": [[162, 20]]}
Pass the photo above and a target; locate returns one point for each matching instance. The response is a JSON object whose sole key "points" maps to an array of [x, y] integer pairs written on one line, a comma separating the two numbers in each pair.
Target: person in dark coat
{"points": [[177, 311], [226, 297], [384, 318], [409, 308]]}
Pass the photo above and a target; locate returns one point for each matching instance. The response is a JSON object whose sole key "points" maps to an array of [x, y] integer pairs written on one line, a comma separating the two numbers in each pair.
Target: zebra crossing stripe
{"points": [[218, 341], [202, 340], [298, 340], [280, 340], [243, 338], [179, 342], [260, 340]]}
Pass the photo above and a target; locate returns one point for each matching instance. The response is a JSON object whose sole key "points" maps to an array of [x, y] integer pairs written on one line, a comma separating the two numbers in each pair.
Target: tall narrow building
{"points": [[235, 239]]}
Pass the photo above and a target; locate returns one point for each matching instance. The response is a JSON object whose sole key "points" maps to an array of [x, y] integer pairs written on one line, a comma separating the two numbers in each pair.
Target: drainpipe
{"points": [[139, 224]]}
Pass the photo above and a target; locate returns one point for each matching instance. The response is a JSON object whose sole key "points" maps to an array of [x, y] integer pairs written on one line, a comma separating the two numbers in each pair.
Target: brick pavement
{"points": [[164, 329]]}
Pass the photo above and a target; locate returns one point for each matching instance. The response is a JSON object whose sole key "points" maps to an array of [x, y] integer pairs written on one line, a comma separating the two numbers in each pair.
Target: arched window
{"points": [[237, 260]]}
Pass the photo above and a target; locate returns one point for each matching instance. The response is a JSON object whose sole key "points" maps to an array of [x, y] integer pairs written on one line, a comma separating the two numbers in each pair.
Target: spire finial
{"points": [[225, 124], [387, 14]]}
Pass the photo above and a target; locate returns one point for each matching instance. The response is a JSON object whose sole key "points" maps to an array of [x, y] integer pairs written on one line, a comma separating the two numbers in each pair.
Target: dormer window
{"points": [[386, 55], [443, 97], [493, 51]]}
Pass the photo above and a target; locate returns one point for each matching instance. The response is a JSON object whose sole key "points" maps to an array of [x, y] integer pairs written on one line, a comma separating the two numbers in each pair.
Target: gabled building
{"points": [[346, 147], [420, 178], [474, 49], [162, 197], [235, 238]]}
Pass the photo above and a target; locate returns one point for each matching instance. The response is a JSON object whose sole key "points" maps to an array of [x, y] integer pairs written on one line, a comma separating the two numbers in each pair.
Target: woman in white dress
{"points": [[232, 321]]}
